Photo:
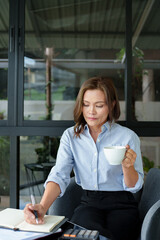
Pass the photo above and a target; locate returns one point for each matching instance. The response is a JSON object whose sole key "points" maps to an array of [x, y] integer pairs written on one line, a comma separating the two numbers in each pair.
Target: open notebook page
{"points": [[49, 223], [11, 217]]}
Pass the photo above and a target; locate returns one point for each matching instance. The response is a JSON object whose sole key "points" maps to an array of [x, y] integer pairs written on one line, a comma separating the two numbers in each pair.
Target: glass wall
{"points": [[146, 74], [146, 61], [4, 141], [4, 26], [66, 43], [4, 172], [150, 147], [37, 157]]}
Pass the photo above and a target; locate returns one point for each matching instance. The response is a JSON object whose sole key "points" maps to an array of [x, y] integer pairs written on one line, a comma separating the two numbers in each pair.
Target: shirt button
{"points": [[95, 154], [95, 186], [98, 140], [95, 170]]}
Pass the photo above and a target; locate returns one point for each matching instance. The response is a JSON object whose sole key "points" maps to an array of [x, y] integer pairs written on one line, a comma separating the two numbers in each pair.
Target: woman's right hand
{"points": [[29, 213], [51, 192]]}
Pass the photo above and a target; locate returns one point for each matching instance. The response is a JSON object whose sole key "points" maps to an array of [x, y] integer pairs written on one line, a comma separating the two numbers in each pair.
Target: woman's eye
{"points": [[85, 105], [99, 106]]}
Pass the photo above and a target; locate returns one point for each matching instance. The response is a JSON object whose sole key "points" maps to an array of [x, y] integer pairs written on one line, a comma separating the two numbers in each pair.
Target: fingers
{"points": [[127, 147], [130, 157], [30, 216], [130, 154]]}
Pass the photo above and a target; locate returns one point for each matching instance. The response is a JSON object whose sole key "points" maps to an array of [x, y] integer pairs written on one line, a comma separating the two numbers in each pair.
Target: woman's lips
{"points": [[91, 118]]}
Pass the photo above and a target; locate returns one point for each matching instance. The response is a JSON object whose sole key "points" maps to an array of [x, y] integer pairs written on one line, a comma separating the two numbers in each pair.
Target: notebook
{"points": [[14, 219]]}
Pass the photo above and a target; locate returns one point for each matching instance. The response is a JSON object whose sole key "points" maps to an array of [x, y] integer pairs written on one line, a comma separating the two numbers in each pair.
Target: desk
{"points": [[31, 168], [7, 234], [64, 227]]}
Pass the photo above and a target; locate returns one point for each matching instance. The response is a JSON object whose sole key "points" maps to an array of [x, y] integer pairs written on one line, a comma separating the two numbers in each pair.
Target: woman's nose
{"points": [[92, 110]]}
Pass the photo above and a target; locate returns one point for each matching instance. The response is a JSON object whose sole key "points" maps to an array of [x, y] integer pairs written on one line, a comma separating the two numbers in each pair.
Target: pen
{"points": [[35, 212]]}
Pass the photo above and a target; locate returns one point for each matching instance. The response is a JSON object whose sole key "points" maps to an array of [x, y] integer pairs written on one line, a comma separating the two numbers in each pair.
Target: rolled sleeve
{"points": [[137, 187], [60, 173], [135, 145], [53, 177]]}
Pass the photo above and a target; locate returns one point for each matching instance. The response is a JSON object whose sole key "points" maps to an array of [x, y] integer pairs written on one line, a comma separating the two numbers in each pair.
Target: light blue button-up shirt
{"points": [[87, 159]]}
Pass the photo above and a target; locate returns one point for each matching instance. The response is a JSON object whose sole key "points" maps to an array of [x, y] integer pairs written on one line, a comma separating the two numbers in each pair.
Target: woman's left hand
{"points": [[130, 157]]}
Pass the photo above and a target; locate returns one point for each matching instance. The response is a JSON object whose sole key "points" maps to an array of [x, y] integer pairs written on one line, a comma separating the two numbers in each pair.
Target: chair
{"points": [[151, 192], [151, 224], [146, 197]]}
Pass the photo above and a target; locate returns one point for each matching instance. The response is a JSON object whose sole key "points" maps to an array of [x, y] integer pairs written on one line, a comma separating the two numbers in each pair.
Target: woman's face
{"points": [[95, 110]]}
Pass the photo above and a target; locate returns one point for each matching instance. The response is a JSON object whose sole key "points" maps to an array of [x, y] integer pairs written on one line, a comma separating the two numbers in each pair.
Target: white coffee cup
{"points": [[115, 154]]}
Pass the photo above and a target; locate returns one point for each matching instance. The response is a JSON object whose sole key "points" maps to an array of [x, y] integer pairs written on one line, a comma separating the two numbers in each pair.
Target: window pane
{"points": [[66, 43], [4, 172], [150, 147], [37, 156], [4, 23], [146, 60]]}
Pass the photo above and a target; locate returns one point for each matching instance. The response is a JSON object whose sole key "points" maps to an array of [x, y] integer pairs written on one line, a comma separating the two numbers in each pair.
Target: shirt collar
{"points": [[106, 126]]}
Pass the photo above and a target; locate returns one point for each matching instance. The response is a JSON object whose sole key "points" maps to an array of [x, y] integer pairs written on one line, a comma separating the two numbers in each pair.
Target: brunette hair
{"points": [[104, 84]]}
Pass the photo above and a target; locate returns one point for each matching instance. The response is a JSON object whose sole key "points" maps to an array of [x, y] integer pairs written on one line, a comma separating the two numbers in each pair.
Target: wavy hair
{"points": [[101, 83]]}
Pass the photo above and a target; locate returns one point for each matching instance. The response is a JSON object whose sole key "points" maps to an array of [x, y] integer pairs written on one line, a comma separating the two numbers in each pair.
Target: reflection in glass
{"points": [[65, 44], [4, 172], [37, 157], [146, 59], [4, 26]]}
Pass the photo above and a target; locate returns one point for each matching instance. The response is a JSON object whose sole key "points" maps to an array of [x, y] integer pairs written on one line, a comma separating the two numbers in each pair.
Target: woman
{"points": [[107, 204]]}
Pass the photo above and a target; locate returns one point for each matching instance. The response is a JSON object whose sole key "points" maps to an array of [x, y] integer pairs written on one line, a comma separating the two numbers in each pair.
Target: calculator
{"points": [[81, 234], [74, 231]]}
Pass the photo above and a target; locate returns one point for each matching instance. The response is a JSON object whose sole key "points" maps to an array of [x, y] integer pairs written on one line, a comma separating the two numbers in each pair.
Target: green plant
{"points": [[55, 141], [4, 186], [4, 165], [49, 148], [137, 73], [2, 115], [43, 154], [147, 164]]}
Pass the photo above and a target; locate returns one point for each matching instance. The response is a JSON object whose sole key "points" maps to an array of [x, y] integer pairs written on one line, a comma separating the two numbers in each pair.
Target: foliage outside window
{"points": [[4, 165]]}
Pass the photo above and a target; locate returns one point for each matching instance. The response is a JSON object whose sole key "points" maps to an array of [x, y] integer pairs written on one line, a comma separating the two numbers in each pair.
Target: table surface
{"points": [[6, 234], [39, 167]]}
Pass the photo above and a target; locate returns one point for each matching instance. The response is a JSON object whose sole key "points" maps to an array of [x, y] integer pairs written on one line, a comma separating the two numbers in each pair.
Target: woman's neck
{"points": [[95, 133]]}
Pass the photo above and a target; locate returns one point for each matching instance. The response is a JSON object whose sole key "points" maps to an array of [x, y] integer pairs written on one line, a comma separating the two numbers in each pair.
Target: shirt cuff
{"points": [[137, 187]]}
